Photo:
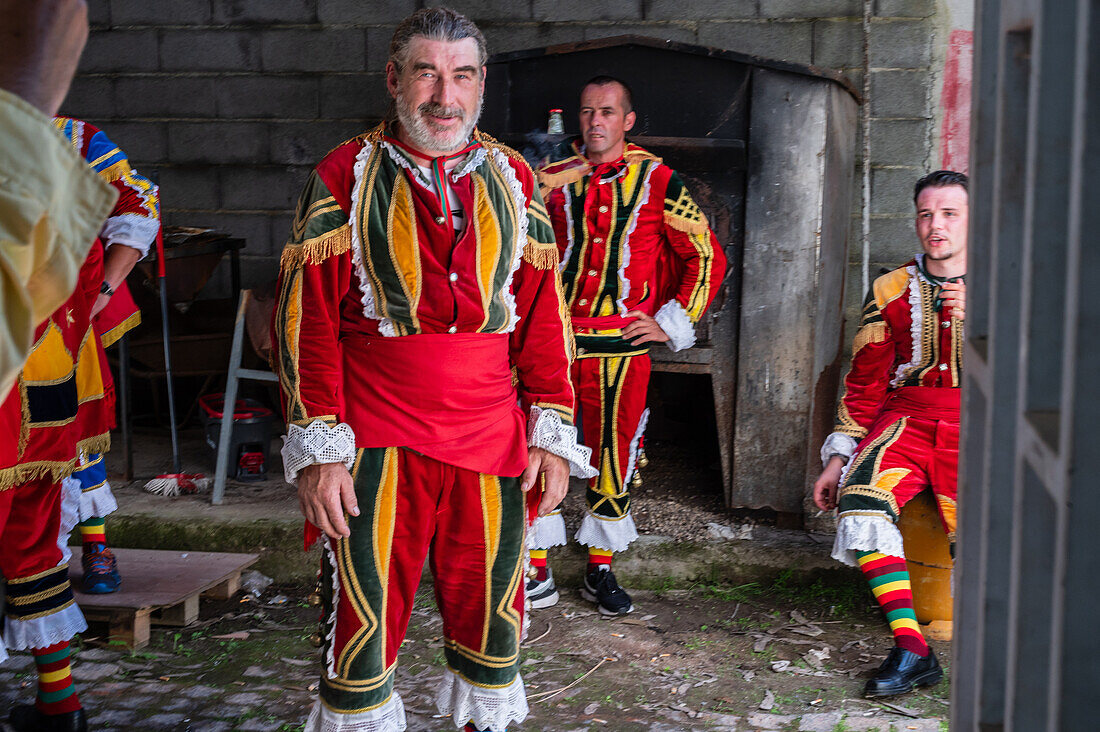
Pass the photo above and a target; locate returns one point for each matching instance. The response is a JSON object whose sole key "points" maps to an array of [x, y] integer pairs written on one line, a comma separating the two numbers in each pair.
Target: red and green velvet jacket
{"points": [[371, 255], [630, 237], [902, 341]]}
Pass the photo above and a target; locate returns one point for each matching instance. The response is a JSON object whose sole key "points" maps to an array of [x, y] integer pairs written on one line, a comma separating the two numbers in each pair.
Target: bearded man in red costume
{"points": [[423, 351], [640, 266], [897, 427]]}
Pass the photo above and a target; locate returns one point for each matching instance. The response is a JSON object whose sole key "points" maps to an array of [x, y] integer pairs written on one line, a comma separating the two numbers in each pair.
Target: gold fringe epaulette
{"points": [[96, 444], [317, 249], [549, 181], [686, 225], [540, 255], [24, 472], [634, 154], [870, 333]]}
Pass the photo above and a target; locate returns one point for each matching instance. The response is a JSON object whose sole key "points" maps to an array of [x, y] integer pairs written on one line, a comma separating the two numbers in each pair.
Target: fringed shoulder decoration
{"points": [[869, 333], [317, 249], [686, 225], [540, 255], [492, 143]]}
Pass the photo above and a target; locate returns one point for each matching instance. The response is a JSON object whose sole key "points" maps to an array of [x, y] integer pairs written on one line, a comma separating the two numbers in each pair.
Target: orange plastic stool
{"points": [[928, 555]]}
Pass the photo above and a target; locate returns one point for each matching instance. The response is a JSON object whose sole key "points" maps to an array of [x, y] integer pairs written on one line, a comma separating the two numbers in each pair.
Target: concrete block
{"points": [[270, 188], [378, 46], [506, 37], [177, 12], [700, 9], [838, 43], [901, 44], [478, 10], [190, 187], [354, 96], [144, 142], [892, 190], [91, 96], [905, 8], [165, 96], [268, 95], [99, 14], [899, 94], [811, 9], [357, 12], [664, 31], [303, 143], [217, 142], [900, 142], [343, 49], [210, 50], [120, 50], [237, 12], [254, 228], [581, 10], [782, 40], [893, 241]]}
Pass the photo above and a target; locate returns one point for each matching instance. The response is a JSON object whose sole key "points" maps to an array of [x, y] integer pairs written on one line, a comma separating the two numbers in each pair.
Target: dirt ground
{"points": [[709, 658]]}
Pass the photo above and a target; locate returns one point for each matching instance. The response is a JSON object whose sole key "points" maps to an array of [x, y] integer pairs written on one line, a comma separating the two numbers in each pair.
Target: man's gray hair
{"points": [[436, 24]]}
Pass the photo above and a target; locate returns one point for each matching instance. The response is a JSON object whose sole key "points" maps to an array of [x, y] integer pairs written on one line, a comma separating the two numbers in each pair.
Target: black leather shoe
{"points": [[901, 671], [27, 718]]}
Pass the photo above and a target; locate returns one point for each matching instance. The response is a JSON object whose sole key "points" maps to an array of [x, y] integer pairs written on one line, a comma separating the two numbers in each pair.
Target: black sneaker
{"points": [[901, 671], [542, 594], [601, 588], [27, 718]]}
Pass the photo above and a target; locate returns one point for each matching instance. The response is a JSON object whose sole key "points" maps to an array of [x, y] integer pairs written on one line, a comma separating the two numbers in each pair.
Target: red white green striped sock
{"points": [[93, 531], [889, 578], [56, 694], [596, 557]]}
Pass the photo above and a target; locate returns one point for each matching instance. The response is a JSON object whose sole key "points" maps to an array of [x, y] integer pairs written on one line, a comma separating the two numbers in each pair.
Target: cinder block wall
{"points": [[230, 102]]}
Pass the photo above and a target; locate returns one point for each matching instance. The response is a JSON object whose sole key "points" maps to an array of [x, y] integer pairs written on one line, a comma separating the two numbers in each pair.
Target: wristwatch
{"points": [[106, 289]]}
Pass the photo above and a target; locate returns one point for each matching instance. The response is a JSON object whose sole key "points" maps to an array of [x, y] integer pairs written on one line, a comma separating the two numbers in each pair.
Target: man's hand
{"points": [[101, 302], [954, 299], [555, 472], [40, 45], [325, 492], [643, 329], [827, 484]]}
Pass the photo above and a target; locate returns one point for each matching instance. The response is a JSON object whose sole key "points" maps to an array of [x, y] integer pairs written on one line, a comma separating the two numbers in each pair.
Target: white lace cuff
{"points": [[676, 324], [838, 443], [866, 533], [131, 230], [317, 443], [390, 717], [613, 535], [487, 707], [546, 429]]}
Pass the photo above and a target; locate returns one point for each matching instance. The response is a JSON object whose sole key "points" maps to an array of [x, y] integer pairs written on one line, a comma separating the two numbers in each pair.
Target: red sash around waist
{"points": [[449, 397], [926, 402]]}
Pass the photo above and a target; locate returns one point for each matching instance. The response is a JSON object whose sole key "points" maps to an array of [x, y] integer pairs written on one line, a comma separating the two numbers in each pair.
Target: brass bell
{"points": [[314, 599], [532, 572], [643, 459], [636, 481], [315, 640]]}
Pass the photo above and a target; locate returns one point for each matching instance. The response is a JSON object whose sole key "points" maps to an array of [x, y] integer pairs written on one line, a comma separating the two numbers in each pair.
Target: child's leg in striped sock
{"points": [[889, 578], [598, 557]]}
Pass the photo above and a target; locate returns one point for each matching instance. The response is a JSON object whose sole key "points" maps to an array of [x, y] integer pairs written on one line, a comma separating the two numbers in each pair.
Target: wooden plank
{"points": [[153, 578], [225, 590], [182, 614]]}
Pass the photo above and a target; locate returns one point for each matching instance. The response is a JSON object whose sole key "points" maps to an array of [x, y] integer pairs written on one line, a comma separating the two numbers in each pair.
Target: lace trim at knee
{"points": [[390, 717], [866, 532], [608, 534], [487, 708], [547, 531]]}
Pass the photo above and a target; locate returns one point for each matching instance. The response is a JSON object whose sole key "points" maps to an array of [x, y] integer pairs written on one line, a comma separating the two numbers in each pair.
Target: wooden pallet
{"points": [[159, 588]]}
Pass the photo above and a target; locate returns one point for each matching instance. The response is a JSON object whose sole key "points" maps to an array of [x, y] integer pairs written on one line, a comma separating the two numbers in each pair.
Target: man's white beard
{"points": [[424, 137]]}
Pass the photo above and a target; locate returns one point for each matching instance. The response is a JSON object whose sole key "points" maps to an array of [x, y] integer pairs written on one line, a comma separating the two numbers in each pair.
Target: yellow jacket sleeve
{"points": [[52, 206]]}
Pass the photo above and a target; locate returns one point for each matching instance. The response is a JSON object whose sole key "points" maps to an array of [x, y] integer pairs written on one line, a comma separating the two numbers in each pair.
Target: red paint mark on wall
{"points": [[958, 72]]}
